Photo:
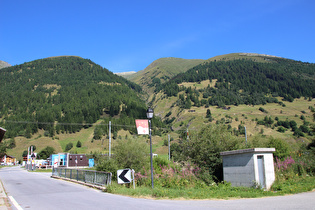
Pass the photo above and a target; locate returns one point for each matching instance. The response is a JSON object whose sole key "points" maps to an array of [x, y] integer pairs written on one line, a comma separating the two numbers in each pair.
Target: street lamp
{"points": [[150, 116]]}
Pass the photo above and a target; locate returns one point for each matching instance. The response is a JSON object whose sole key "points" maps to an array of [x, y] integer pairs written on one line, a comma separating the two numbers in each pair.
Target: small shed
{"points": [[249, 167]]}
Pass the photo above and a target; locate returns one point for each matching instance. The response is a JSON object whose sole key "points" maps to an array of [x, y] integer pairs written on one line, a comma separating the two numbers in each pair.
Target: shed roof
{"points": [[252, 150]]}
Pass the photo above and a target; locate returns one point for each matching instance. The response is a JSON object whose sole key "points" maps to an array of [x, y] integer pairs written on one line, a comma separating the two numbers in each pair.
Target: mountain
{"points": [[61, 100], [244, 56], [284, 77], [162, 70], [230, 84], [4, 64], [125, 74], [63, 95]]}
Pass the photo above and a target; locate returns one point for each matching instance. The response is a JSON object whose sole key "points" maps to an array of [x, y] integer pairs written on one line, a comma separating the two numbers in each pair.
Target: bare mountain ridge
{"points": [[4, 64]]}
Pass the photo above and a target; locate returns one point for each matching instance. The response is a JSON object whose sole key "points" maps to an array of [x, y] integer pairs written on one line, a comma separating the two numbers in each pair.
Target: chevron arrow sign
{"points": [[124, 176]]}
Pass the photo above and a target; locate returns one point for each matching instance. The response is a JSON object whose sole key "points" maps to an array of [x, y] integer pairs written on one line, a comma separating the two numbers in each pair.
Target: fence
{"points": [[87, 176]]}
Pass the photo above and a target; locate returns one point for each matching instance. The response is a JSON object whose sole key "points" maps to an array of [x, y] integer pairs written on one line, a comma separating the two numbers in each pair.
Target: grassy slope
{"points": [[243, 113], [162, 67], [249, 56]]}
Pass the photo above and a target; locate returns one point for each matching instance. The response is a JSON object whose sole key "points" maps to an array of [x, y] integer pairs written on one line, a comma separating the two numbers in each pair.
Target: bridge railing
{"points": [[87, 176]]}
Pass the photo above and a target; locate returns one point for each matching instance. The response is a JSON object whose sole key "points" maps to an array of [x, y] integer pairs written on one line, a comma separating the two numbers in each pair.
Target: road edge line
{"points": [[15, 203]]}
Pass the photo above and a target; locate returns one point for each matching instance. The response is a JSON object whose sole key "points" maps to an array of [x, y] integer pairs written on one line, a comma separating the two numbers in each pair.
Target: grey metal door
{"points": [[261, 171]]}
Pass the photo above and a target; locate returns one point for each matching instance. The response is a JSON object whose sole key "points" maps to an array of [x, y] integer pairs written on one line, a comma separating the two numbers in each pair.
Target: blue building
{"points": [[60, 159]]}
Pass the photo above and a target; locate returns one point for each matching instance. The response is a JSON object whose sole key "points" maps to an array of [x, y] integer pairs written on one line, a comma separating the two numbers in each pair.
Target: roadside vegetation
{"points": [[195, 171]]}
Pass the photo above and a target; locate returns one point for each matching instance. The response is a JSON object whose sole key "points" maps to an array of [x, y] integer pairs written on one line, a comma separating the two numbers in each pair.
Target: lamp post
{"points": [[150, 116]]}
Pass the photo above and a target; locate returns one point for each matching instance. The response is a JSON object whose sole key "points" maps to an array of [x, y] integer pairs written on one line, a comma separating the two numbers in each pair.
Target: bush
{"points": [[204, 147], [108, 165], [45, 153], [132, 153], [170, 175], [69, 146], [281, 146], [281, 129]]}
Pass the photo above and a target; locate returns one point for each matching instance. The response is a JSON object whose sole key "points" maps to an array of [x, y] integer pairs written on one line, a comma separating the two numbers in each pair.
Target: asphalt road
{"points": [[33, 190]]}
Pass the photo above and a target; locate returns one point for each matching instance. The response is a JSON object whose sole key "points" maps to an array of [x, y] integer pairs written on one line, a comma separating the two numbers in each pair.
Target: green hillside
{"points": [[63, 95], [237, 90], [161, 70]]}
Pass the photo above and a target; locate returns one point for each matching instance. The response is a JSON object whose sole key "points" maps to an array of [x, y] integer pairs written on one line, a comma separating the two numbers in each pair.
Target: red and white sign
{"points": [[142, 126]]}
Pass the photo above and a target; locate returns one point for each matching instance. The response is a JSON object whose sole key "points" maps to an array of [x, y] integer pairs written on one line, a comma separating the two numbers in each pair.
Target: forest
{"points": [[64, 94], [244, 82]]}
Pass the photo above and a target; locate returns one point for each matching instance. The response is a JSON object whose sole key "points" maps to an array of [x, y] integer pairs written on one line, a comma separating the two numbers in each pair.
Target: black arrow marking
{"points": [[122, 176]]}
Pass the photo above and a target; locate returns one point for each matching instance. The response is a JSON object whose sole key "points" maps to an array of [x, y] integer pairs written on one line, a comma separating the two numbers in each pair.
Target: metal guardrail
{"points": [[87, 176]]}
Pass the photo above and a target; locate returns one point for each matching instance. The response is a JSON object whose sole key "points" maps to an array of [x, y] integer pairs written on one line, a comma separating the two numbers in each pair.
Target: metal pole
{"points": [[133, 178], [151, 155], [27, 159], [169, 148], [245, 135], [110, 139]]}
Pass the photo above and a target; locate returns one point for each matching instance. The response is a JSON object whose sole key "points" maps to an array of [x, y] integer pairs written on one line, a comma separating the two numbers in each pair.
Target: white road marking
{"points": [[15, 203]]}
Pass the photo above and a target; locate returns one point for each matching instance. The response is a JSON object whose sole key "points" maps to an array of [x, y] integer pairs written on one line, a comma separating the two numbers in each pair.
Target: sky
{"points": [[124, 35]]}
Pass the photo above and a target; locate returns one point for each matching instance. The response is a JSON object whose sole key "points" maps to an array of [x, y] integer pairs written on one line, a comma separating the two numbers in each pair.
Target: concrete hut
{"points": [[249, 167]]}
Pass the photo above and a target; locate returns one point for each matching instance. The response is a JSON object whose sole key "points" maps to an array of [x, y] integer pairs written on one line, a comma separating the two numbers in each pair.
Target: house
{"points": [[8, 160]]}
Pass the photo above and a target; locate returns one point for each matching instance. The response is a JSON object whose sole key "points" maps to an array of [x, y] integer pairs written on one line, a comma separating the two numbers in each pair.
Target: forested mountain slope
{"points": [[63, 94], [245, 82], [227, 89]]}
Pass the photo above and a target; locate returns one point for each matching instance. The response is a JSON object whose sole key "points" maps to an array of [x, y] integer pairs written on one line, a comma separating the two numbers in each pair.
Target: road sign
{"points": [[124, 176], [142, 126]]}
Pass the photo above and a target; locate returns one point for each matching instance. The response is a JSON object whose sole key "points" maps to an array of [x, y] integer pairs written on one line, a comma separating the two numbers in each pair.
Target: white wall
{"points": [[241, 169]]}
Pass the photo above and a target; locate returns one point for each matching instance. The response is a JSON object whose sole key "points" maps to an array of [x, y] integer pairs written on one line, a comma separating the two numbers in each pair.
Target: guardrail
{"points": [[99, 178]]}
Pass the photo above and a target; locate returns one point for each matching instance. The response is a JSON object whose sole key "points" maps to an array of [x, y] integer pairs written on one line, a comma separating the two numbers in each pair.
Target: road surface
{"points": [[32, 190]]}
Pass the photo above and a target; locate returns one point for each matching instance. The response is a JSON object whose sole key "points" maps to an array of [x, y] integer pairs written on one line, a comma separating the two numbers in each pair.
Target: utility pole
{"points": [[110, 139], [245, 135], [169, 147]]}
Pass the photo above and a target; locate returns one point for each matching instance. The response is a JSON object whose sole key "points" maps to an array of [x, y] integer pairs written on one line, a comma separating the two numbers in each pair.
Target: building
{"points": [[8, 160], [69, 160], [78, 160], [59, 159], [249, 167]]}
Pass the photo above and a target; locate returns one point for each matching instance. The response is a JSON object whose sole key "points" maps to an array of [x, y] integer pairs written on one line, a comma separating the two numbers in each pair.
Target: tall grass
{"points": [[216, 191]]}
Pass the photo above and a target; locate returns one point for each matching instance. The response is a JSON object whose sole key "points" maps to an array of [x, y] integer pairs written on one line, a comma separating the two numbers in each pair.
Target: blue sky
{"points": [[129, 35]]}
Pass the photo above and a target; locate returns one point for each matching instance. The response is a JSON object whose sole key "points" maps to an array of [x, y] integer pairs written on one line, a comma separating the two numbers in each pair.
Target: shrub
{"points": [[204, 147], [170, 175], [45, 153], [131, 153], [281, 146], [281, 129], [69, 146], [108, 165]]}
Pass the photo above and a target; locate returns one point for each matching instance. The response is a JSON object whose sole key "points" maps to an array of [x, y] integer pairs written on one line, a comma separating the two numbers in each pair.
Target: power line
{"points": [[84, 124]]}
